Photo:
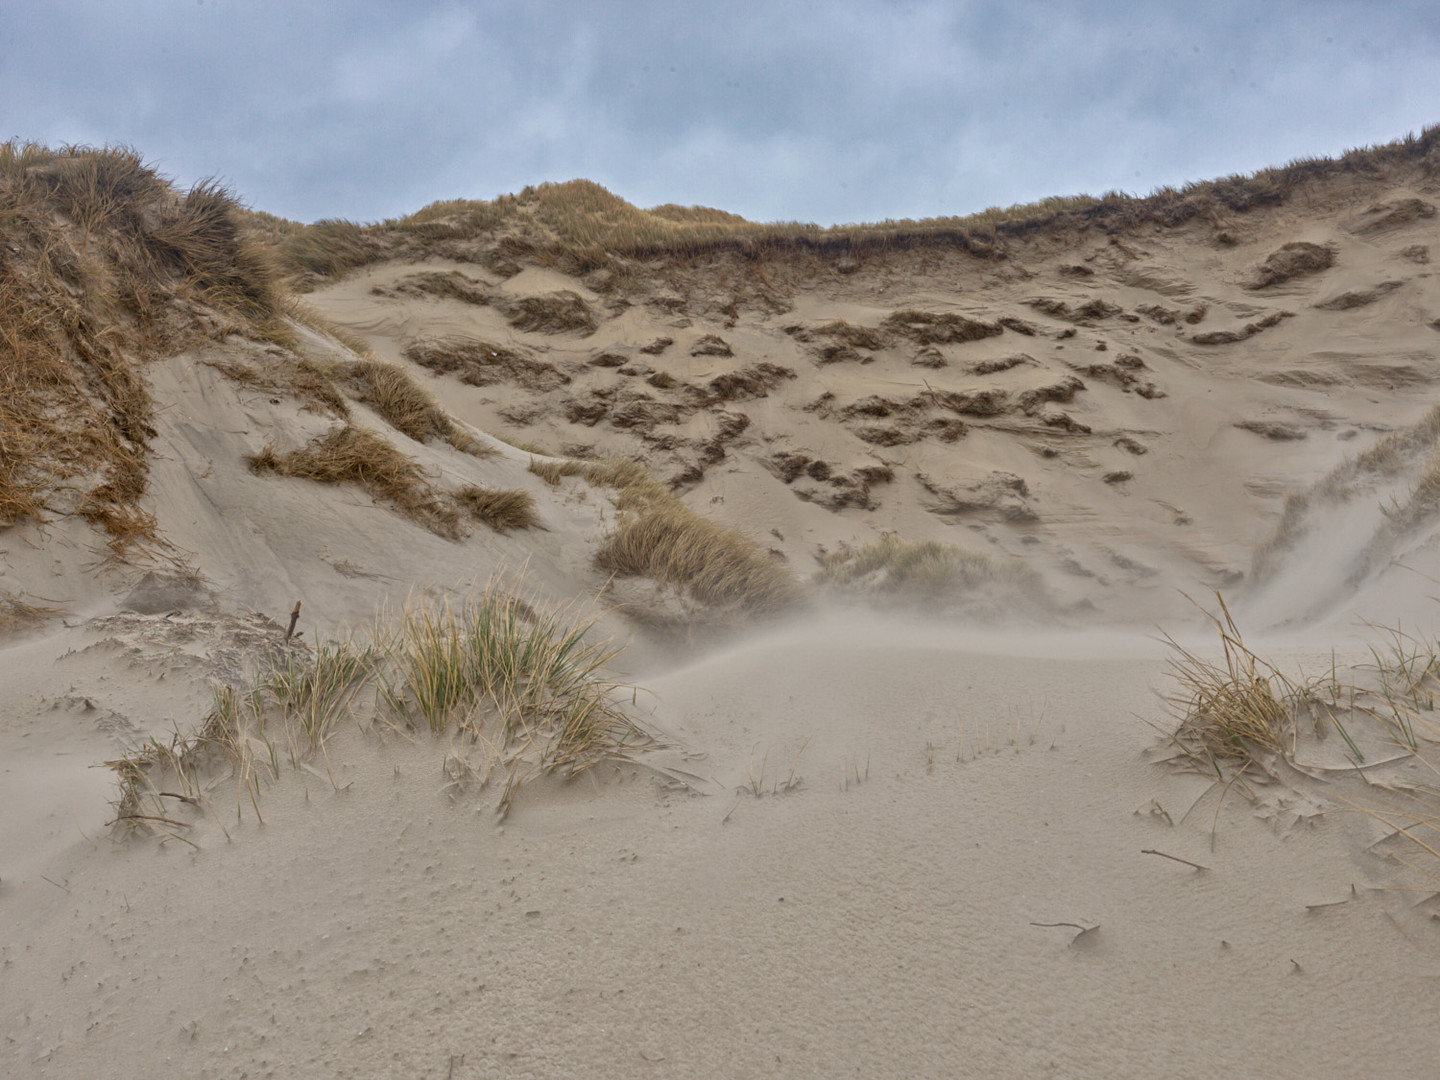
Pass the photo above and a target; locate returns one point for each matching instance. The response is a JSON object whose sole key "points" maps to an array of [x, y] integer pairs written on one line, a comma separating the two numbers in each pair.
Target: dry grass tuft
{"points": [[326, 249], [106, 266], [1235, 710], [927, 575], [659, 537], [314, 387], [553, 470], [16, 616], [1240, 720], [526, 687], [482, 363], [353, 455], [502, 510], [581, 228], [558, 313], [400, 400]]}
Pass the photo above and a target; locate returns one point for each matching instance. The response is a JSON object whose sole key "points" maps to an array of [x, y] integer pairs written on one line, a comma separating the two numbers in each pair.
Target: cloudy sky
{"points": [[832, 111]]}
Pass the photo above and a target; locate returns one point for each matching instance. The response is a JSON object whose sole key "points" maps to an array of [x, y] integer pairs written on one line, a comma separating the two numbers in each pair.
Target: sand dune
{"points": [[918, 817]]}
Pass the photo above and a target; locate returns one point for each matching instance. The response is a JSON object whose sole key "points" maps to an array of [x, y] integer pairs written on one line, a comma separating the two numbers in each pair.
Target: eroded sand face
{"points": [[837, 860], [1126, 414]]}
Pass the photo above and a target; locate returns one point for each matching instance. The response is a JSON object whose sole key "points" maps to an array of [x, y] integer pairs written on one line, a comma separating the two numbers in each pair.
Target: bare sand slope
{"points": [[875, 917]]}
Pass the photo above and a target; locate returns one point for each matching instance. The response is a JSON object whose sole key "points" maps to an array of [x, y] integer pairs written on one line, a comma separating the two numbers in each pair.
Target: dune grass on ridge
{"points": [[107, 267], [581, 227]]}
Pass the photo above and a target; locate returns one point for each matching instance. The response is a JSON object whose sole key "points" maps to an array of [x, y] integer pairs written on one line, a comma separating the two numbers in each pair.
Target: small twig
{"points": [[1072, 925], [1176, 858], [55, 883], [294, 618], [182, 839], [175, 795]]}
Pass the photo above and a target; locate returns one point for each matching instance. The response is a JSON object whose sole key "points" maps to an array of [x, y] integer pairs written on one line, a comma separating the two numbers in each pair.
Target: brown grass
{"points": [[17, 616], [351, 455], [926, 575], [400, 400], [502, 510], [659, 537], [446, 285], [557, 313], [327, 249], [272, 375], [483, 363], [552, 471], [106, 266], [580, 227]]}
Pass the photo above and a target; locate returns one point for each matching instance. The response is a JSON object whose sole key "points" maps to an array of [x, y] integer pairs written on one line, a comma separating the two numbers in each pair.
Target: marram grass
{"points": [[529, 685]]}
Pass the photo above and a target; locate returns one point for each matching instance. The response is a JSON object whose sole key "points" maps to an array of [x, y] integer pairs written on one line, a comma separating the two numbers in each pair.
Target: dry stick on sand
{"points": [[1175, 858], [1085, 931], [294, 618]]}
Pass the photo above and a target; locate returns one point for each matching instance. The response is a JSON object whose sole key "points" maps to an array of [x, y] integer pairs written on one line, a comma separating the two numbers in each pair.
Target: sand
{"points": [[870, 841]]}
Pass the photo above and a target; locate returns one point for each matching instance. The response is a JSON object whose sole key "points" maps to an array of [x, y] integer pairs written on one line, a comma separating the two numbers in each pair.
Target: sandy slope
{"points": [[1160, 464], [880, 926], [836, 863]]}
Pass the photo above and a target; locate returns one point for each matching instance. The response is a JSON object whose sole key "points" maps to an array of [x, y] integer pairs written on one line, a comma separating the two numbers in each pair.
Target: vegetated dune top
{"points": [[1061, 415]]}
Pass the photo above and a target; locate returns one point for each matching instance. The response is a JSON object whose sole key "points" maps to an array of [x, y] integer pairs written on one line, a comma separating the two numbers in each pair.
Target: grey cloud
{"points": [[842, 111]]}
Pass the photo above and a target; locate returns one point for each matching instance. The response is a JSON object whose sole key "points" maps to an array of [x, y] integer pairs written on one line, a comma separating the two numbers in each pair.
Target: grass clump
{"points": [[354, 455], [526, 687], [106, 267], [1240, 718], [1234, 709], [401, 402], [558, 313], [856, 336], [553, 470], [325, 249], [448, 666], [17, 616], [314, 386], [927, 575], [659, 537], [502, 510], [581, 228]]}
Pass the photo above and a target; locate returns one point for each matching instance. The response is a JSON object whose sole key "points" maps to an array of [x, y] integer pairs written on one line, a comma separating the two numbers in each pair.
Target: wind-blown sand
{"points": [[869, 841]]}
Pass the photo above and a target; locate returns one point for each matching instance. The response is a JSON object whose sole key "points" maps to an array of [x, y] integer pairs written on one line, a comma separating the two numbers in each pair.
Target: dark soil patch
{"points": [[1291, 261], [480, 363]]}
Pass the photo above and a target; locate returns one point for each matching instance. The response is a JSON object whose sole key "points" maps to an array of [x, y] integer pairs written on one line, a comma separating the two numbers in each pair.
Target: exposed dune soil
{"points": [[1124, 412]]}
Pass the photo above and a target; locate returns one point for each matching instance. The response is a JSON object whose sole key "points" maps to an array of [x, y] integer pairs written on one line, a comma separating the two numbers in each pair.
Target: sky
{"points": [[780, 110]]}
